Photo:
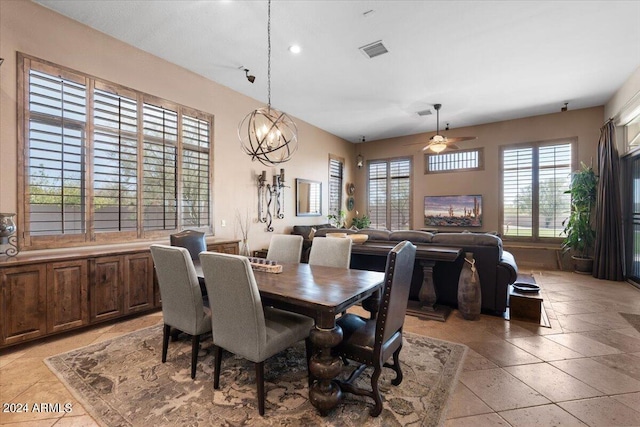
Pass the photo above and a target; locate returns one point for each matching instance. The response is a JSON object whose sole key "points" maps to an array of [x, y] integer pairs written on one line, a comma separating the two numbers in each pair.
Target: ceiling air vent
{"points": [[426, 112], [374, 49]]}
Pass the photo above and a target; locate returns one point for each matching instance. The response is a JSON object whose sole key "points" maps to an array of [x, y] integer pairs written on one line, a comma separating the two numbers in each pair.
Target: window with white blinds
{"points": [[103, 160], [336, 168], [534, 180], [454, 161], [389, 191], [55, 169]]}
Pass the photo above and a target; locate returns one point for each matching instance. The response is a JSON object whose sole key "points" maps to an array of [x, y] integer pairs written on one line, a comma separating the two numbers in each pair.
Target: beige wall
{"points": [[583, 124], [29, 28]]}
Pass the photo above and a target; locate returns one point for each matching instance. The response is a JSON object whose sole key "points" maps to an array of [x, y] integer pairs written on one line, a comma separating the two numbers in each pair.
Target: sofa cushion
{"points": [[468, 239], [305, 230], [414, 236], [375, 234]]}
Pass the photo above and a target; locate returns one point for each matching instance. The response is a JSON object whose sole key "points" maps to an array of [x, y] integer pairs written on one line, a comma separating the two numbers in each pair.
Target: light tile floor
{"points": [[584, 370]]}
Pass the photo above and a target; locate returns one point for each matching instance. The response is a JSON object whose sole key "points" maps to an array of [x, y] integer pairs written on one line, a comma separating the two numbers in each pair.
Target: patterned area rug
{"points": [[633, 319], [122, 382]]}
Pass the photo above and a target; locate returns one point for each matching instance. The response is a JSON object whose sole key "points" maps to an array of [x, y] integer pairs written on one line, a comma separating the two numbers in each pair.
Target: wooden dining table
{"points": [[320, 293]]}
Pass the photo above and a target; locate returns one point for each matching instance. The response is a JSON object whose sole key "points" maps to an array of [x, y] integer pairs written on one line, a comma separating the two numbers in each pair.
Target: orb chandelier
{"points": [[266, 134]]}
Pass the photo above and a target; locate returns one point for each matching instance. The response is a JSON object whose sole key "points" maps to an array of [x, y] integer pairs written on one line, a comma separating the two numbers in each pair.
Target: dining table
{"points": [[321, 293]]}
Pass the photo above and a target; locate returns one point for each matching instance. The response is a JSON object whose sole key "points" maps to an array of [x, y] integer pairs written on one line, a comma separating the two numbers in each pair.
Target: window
{"points": [[336, 169], [104, 162], [455, 161], [535, 177], [389, 191]]}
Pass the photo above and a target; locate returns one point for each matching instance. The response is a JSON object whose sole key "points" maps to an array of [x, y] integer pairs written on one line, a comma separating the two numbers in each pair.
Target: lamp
{"points": [[250, 77], [7, 228], [266, 134], [437, 143], [268, 194]]}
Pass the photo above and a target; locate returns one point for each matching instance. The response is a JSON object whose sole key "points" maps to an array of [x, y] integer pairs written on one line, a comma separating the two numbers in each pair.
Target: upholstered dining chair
{"points": [[371, 342], [194, 242], [239, 322], [330, 252], [285, 248], [182, 306]]}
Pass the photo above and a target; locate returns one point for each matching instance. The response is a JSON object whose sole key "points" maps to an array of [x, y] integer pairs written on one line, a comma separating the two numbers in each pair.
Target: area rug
{"points": [[121, 382], [633, 319]]}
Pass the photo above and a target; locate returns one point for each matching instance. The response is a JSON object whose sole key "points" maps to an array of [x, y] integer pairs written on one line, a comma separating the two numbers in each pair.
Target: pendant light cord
{"points": [[269, 55]]}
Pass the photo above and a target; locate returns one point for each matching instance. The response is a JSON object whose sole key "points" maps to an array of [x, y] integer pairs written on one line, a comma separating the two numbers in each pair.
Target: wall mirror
{"points": [[308, 197]]}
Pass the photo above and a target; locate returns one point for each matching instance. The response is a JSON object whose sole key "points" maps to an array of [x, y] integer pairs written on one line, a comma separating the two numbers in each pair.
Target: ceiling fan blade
{"points": [[461, 138]]}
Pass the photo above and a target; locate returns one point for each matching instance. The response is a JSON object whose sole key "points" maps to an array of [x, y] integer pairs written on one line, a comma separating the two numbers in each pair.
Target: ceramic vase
{"points": [[469, 295]]}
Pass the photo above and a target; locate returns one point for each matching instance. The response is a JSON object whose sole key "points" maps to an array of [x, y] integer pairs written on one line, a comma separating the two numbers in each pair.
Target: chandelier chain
{"points": [[269, 55]]}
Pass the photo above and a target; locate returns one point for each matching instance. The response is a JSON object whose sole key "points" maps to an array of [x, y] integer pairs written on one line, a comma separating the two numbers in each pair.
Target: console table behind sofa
{"points": [[497, 268]]}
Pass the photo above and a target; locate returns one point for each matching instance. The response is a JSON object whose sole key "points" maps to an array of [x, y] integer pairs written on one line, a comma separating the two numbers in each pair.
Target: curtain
{"points": [[608, 260]]}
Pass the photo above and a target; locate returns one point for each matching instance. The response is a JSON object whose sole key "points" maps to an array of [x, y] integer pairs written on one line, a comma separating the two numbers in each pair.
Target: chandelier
{"points": [[266, 134]]}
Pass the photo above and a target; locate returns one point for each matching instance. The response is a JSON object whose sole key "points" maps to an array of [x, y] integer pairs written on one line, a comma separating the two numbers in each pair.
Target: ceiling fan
{"points": [[438, 143]]}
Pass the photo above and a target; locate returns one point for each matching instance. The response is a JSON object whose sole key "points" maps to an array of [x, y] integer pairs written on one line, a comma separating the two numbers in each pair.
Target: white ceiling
{"points": [[484, 61]]}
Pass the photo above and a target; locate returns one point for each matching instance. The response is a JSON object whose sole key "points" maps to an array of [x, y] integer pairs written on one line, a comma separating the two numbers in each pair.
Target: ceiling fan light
{"points": [[437, 147]]}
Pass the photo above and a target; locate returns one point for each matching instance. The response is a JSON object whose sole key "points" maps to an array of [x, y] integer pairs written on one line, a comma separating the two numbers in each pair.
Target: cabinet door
{"points": [[23, 302], [67, 302], [225, 248], [138, 280], [106, 289]]}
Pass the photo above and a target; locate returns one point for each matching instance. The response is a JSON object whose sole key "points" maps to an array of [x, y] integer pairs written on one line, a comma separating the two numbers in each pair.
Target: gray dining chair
{"points": [[193, 241], [239, 322], [182, 306], [330, 252], [285, 248], [371, 342]]}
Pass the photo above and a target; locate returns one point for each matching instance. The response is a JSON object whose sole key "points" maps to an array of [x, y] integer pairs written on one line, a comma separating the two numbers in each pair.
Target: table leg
{"points": [[426, 306], [325, 392]]}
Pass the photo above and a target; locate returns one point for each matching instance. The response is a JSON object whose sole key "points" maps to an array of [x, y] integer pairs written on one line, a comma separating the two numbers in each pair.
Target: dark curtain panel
{"points": [[608, 260]]}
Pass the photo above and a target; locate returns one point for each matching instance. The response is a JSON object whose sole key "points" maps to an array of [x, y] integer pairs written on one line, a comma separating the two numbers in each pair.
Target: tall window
{"points": [[389, 191], [336, 168], [104, 162], [535, 177]]}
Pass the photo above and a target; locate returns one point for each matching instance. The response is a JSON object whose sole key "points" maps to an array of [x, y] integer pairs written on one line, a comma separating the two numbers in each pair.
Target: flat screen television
{"points": [[453, 211]]}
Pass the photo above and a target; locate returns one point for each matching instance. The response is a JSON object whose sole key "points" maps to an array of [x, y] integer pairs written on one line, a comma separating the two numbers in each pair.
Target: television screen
{"points": [[453, 211]]}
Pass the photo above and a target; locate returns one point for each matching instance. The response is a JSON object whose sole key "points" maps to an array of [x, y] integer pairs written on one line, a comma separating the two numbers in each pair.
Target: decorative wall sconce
{"points": [[7, 228], [271, 196], [359, 161]]}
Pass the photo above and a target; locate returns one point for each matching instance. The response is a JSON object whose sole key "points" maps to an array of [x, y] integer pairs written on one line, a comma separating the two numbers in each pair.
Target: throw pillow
{"points": [[312, 233]]}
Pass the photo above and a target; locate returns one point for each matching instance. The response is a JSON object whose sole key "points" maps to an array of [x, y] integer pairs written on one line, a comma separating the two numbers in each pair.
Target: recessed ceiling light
{"points": [[294, 48]]}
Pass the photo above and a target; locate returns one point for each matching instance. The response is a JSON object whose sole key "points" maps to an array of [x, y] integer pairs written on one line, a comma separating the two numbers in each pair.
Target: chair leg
{"points": [[396, 367], [217, 352], [166, 329], [377, 409], [195, 346], [260, 381]]}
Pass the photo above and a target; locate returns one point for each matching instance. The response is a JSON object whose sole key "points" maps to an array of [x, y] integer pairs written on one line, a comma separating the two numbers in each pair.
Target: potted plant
{"points": [[337, 220], [580, 235], [360, 223]]}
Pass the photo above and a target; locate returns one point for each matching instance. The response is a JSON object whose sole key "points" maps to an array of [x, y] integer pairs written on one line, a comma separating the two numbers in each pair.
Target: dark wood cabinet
{"points": [[46, 294], [106, 290], [23, 303], [138, 280], [66, 295]]}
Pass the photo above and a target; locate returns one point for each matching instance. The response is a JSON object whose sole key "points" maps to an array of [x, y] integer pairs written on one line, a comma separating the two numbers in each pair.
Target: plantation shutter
{"points": [[335, 187], [159, 165], [517, 191], [390, 194], [554, 178], [56, 168], [195, 171], [115, 162]]}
